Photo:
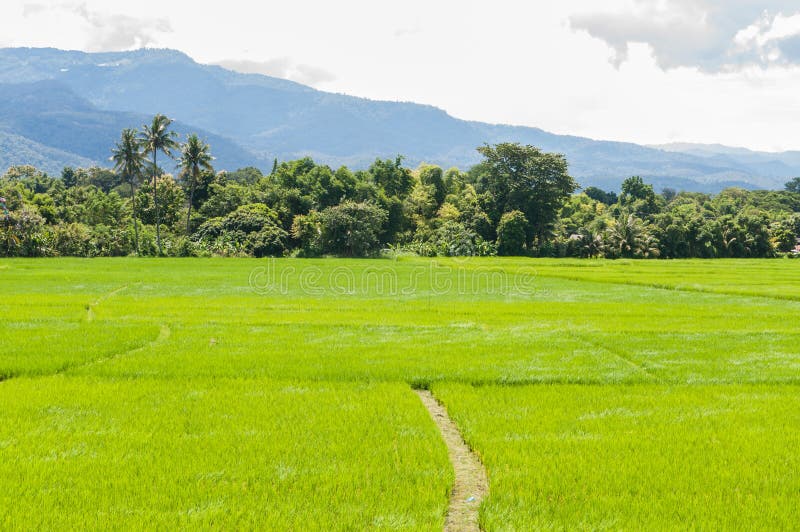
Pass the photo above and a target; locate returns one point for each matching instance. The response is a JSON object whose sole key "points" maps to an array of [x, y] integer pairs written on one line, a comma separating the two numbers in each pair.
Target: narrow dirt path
{"points": [[471, 484]]}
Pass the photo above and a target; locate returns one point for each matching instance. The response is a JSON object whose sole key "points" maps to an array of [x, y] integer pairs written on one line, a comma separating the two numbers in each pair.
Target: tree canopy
{"points": [[518, 201]]}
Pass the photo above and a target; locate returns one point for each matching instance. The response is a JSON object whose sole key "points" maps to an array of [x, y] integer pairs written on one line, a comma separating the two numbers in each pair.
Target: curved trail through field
{"points": [[471, 484], [163, 335], [90, 307]]}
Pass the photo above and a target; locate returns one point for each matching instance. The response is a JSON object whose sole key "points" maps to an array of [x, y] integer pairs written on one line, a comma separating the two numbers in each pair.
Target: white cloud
{"points": [[712, 35], [771, 39], [507, 61], [100, 30]]}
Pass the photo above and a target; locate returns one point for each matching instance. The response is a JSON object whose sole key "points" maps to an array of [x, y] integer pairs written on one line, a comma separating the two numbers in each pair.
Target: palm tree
{"points": [[129, 163], [195, 157], [590, 242], [154, 138], [630, 237]]}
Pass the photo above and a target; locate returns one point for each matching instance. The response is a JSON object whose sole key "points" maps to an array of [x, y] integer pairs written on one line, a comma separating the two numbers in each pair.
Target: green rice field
{"points": [[279, 394]]}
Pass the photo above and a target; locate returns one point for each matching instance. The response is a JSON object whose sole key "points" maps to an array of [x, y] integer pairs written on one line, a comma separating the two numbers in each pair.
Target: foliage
{"points": [[607, 198], [518, 201], [154, 138], [250, 229], [511, 237], [352, 229], [129, 162], [524, 178], [171, 202], [195, 159]]}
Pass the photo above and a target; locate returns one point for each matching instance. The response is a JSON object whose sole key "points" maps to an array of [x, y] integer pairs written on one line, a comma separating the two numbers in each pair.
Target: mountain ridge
{"points": [[251, 119]]}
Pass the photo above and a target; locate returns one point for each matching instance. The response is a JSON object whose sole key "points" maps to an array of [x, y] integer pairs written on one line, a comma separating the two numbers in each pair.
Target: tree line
{"points": [[518, 201]]}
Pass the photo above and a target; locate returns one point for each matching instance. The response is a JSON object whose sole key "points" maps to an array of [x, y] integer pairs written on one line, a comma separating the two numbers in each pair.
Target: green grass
{"points": [[133, 386], [227, 454], [50, 345], [640, 457], [751, 277]]}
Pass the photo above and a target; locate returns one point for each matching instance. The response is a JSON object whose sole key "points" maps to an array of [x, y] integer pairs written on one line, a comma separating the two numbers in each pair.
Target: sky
{"points": [[645, 71]]}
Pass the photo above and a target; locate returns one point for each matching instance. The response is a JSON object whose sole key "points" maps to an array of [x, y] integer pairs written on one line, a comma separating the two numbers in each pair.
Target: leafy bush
{"points": [[250, 229], [270, 241], [511, 236], [352, 229]]}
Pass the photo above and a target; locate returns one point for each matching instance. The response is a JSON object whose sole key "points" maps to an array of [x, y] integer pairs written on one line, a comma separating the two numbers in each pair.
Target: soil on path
{"points": [[471, 484]]}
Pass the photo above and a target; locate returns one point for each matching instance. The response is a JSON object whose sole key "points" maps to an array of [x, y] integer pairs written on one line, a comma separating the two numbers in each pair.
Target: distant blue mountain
{"points": [[71, 106], [45, 123]]}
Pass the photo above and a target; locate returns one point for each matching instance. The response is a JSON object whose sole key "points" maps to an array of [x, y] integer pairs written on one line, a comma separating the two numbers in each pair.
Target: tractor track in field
{"points": [[623, 356], [471, 483], [163, 335], [90, 307], [673, 288]]}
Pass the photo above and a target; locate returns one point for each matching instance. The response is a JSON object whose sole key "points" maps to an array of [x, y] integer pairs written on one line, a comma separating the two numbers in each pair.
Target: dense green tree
{"points": [[511, 234], [793, 185], [352, 229], [590, 243], [629, 237], [421, 205], [249, 175], [638, 197], [23, 172], [225, 197], [526, 179], [251, 228], [68, 177], [307, 233], [392, 177], [517, 200], [170, 198], [433, 176], [597, 194], [668, 194], [101, 178], [454, 180]]}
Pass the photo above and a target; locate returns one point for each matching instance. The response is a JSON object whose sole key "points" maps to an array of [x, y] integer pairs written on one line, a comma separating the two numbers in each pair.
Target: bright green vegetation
{"points": [[750, 278], [634, 457], [277, 393], [225, 454], [518, 201]]}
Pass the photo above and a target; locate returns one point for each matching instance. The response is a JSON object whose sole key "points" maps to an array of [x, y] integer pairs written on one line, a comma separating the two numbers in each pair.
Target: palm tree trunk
{"points": [[189, 214], [155, 202], [135, 223]]}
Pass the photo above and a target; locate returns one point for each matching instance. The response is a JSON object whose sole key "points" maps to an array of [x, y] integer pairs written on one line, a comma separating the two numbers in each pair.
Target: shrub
{"points": [[512, 234], [270, 241], [352, 229]]}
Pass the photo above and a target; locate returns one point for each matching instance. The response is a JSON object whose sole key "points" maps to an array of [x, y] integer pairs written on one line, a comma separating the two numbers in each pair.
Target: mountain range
{"points": [[66, 108]]}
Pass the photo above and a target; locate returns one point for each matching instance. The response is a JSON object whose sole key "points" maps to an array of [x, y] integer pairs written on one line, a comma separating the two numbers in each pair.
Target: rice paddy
{"points": [[278, 394]]}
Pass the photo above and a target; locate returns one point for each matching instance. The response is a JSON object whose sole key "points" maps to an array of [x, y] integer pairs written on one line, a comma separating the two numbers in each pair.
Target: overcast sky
{"points": [[647, 71]]}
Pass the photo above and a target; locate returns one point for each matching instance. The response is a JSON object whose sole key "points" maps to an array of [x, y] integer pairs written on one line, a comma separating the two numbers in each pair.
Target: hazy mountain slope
{"points": [[266, 117], [781, 164], [51, 115], [16, 150]]}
